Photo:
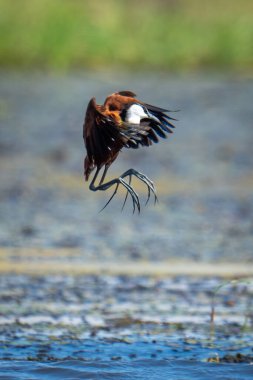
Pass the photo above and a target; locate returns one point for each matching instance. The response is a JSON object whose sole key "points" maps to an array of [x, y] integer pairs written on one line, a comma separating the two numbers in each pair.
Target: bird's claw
{"points": [[143, 178], [130, 190], [134, 195]]}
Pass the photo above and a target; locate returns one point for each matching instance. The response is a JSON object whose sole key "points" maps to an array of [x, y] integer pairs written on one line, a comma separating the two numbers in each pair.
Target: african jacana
{"points": [[122, 121]]}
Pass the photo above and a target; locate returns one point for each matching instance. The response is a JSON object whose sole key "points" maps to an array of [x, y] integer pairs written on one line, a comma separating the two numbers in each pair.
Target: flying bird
{"points": [[122, 121]]}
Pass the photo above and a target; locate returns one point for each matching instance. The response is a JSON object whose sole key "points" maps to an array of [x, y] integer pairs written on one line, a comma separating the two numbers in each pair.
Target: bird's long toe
{"points": [[134, 195], [129, 183], [144, 179], [112, 196]]}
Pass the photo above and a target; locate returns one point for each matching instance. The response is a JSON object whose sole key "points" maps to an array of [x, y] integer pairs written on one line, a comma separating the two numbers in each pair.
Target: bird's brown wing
{"points": [[156, 124], [101, 137], [134, 135], [105, 133]]}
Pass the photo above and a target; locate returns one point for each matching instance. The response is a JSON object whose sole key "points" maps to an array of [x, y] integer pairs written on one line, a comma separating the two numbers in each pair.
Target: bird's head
{"points": [[135, 113]]}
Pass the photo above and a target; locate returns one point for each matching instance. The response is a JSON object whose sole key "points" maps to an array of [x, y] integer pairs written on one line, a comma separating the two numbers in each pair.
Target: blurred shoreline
{"points": [[38, 261], [203, 172]]}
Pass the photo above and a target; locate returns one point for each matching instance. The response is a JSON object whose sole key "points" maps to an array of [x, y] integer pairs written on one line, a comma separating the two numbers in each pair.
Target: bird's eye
{"points": [[112, 107], [123, 114]]}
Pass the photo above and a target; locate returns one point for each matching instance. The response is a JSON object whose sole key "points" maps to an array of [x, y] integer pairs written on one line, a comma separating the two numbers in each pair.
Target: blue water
{"points": [[136, 369], [103, 327], [154, 347], [101, 359]]}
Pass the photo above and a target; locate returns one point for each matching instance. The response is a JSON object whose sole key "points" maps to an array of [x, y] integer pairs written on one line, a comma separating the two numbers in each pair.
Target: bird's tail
{"points": [[88, 167]]}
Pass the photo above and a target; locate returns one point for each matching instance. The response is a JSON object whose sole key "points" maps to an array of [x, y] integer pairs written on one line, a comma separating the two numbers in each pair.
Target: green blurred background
{"points": [[172, 35]]}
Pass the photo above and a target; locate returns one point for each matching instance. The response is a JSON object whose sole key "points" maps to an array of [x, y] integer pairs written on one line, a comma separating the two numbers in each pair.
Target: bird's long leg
{"points": [[144, 179], [117, 181], [104, 174], [100, 183]]}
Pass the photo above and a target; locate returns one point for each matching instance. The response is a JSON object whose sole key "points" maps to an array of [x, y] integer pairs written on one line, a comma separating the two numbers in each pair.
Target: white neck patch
{"points": [[135, 113]]}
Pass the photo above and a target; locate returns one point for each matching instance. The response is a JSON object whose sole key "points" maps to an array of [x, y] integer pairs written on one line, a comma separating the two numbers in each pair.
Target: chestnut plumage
{"points": [[122, 121]]}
